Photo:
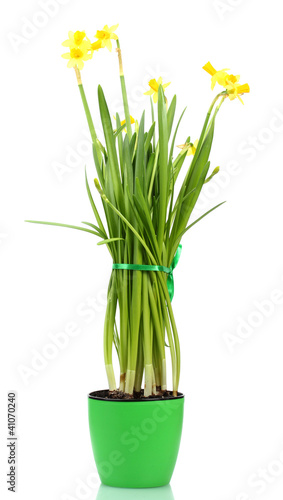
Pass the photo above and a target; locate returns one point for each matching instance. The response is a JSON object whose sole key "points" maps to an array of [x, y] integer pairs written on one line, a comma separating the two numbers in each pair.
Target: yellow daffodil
{"points": [[106, 35], [80, 49], [76, 39], [77, 56], [154, 85], [124, 121], [235, 90], [229, 82], [96, 45], [190, 147], [220, 76]]}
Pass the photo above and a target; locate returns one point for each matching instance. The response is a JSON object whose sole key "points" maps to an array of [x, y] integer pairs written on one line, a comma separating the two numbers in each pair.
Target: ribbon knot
{"points": [[168, 270], [170, 278]]}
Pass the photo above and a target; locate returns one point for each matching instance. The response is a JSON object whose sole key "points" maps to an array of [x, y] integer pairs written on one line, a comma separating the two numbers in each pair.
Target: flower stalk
{"points": [[124, 91]]}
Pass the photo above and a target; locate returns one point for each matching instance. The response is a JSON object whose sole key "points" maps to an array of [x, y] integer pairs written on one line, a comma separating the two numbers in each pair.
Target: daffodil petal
{"points": [[68, 43], [113, 28], [67, 55], [108, 45], [71, 63], [166, 85], [80, 64]]}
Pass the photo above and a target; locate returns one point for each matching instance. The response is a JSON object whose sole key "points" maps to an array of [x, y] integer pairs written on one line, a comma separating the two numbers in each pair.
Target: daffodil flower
{"points": [[154, 85], [80, 49], [76, 39], [229, 82], [220, 76], [190, 148], [235, 90], [105, 36], [77, 56], [123, 122]]}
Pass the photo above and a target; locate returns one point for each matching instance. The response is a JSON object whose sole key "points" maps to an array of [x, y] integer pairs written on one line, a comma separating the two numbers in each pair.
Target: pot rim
{"points": [[93, 395]]}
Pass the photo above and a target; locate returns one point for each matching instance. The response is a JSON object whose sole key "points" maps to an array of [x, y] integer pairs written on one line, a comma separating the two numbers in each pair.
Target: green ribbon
{"points": [[167, 270]]}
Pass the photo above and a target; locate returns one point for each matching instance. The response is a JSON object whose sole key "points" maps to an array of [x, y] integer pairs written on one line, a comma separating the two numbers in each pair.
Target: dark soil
{"points": [[138, 396]]}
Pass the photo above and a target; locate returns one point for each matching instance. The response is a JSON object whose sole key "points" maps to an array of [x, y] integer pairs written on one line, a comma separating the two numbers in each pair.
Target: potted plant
{"points": [[136, 427]]}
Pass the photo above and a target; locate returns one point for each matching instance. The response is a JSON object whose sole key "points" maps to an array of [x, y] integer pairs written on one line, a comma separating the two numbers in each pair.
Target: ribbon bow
{"points": [[168, 270], [170, 278]]}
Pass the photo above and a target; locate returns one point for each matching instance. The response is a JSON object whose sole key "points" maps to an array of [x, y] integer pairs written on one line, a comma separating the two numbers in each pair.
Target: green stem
{"points": [[175, 333], [124, 92], [147, 339], [109, 333], [203, 132], [88, 117], [153, 175]]}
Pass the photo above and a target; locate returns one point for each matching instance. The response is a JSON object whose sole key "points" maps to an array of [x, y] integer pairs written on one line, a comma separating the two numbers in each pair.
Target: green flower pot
{"points": [[135, 442]]}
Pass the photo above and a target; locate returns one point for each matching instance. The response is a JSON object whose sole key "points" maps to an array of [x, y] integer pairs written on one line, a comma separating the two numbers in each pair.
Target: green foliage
{"points": [[144, 221]]}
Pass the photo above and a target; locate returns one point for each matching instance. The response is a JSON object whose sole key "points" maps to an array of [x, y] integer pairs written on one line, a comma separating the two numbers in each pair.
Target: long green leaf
{"points": [[102, 234], [175, 133], [111, 149], [93, 206], [171, 114], [63, 225], [140, 154], [110, 240], [197, 220]]}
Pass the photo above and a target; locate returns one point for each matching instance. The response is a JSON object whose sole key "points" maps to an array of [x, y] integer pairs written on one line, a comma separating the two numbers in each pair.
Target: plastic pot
{"points": [[135, 442]]}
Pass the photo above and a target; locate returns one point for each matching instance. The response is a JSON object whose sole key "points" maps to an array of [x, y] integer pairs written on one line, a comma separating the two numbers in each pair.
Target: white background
{"points": [[54, 279]]}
